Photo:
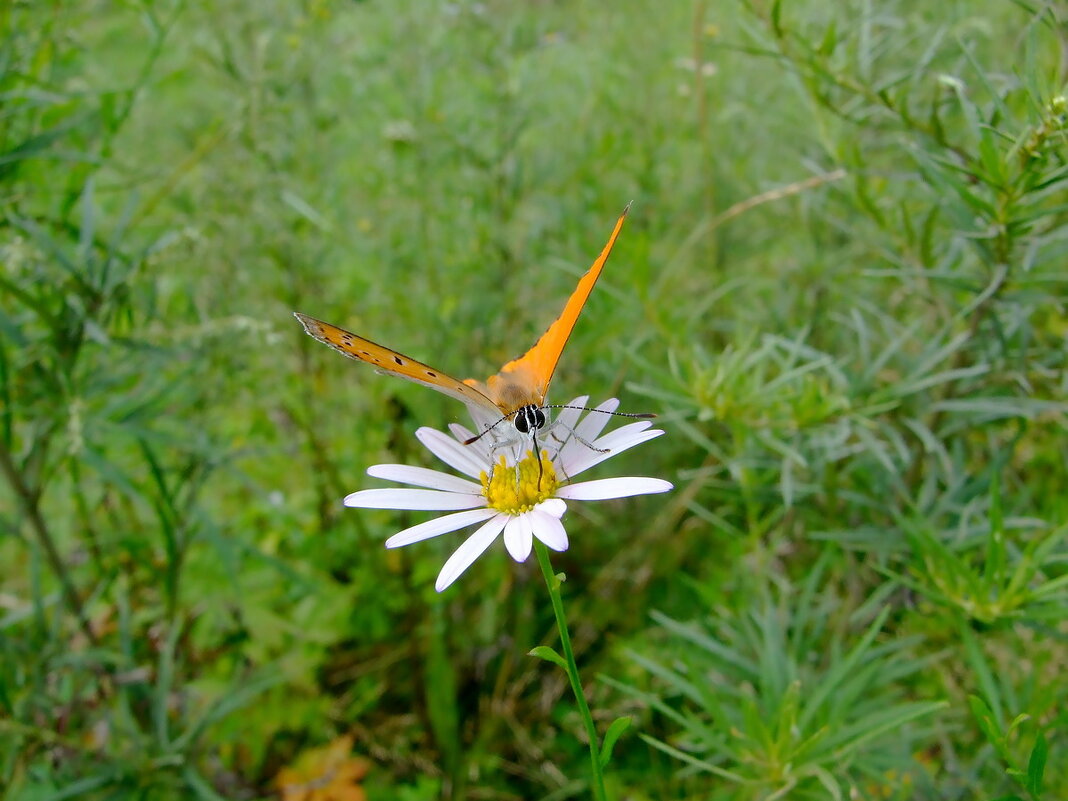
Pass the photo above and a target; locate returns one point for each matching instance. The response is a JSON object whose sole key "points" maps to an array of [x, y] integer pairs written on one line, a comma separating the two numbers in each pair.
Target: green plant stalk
{"points": [[553, 584], [29, 501]]}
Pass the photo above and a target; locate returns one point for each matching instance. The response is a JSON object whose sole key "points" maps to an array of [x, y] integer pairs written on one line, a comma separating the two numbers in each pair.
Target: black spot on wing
{"points": [[398, 360]]}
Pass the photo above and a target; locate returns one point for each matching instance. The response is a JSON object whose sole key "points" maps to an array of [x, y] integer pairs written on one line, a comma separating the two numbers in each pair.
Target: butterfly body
{"points": [[517, 392]]}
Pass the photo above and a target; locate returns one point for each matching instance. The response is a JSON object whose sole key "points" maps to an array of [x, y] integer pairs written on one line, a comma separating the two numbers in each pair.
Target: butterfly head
{"points": [[529, 419]]}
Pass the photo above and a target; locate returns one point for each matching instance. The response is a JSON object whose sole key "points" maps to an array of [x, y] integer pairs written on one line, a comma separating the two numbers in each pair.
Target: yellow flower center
{"points": [[518, 489]]}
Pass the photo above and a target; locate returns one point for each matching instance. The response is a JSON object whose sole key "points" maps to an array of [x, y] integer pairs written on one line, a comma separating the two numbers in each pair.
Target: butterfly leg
{"points": [[560, 442], [571, 433]]}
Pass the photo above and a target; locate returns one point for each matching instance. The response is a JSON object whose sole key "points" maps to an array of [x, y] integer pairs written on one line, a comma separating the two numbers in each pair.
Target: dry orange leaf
{"points": [[327, 773]]}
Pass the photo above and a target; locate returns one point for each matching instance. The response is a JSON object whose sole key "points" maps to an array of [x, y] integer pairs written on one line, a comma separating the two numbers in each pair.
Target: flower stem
{"points": [[553, 583]]}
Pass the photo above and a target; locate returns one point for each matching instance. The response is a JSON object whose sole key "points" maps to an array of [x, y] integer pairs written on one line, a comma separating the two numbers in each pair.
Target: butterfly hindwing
{"points": [[391, 362]]}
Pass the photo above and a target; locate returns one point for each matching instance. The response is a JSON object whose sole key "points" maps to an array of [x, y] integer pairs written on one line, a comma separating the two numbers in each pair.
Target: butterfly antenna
{"points": [[638, 415], [480, 435], [632, 415]]}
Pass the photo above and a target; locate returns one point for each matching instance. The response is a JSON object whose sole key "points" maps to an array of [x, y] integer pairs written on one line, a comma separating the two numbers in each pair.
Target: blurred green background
{"points": [[841, 287]]}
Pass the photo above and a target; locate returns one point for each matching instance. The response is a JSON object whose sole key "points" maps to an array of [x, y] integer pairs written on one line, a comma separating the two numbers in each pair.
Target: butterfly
{"points": [[516, 392]]}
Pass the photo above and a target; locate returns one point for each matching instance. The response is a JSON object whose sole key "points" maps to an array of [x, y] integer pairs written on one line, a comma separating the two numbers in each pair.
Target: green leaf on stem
{"points": [[549, 655], [611, 737]]}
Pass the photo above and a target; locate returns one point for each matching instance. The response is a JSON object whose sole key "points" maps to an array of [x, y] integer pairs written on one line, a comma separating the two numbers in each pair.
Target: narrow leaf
{"points": [[203, 790], [995, 545], [619, 725], [1036, 765], [985, 718]]}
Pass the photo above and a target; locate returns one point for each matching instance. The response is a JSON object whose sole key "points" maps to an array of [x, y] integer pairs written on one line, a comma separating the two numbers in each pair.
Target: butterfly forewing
{"points": [[534, 370], [391, 362]]}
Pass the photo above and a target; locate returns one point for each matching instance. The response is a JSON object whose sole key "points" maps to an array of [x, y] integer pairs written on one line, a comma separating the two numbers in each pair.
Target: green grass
{"points": [[841, 286]]}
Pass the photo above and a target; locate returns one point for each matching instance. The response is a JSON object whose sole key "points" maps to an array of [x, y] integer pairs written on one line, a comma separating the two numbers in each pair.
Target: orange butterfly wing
{"points": [[521, 382], [525, 380], [393, 363]]}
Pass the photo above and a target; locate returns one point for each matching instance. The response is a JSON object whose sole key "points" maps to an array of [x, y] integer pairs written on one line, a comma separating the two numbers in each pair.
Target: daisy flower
{"points": [[513, 491]]}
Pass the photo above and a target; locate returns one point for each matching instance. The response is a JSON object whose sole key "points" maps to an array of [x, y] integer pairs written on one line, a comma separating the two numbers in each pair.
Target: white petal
{"points": [[517, 538], [422, 477], [454, 454], [547, 528], [461, 433], [578, 459], [426, 500], [472, 548], [439, 525], [604, 488], [553, 506]]}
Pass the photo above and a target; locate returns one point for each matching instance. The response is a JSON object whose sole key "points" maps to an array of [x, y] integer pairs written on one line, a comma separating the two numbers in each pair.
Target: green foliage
{"points": [[1031, 778], [841, 286], [785, 702], [980, 584]]}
